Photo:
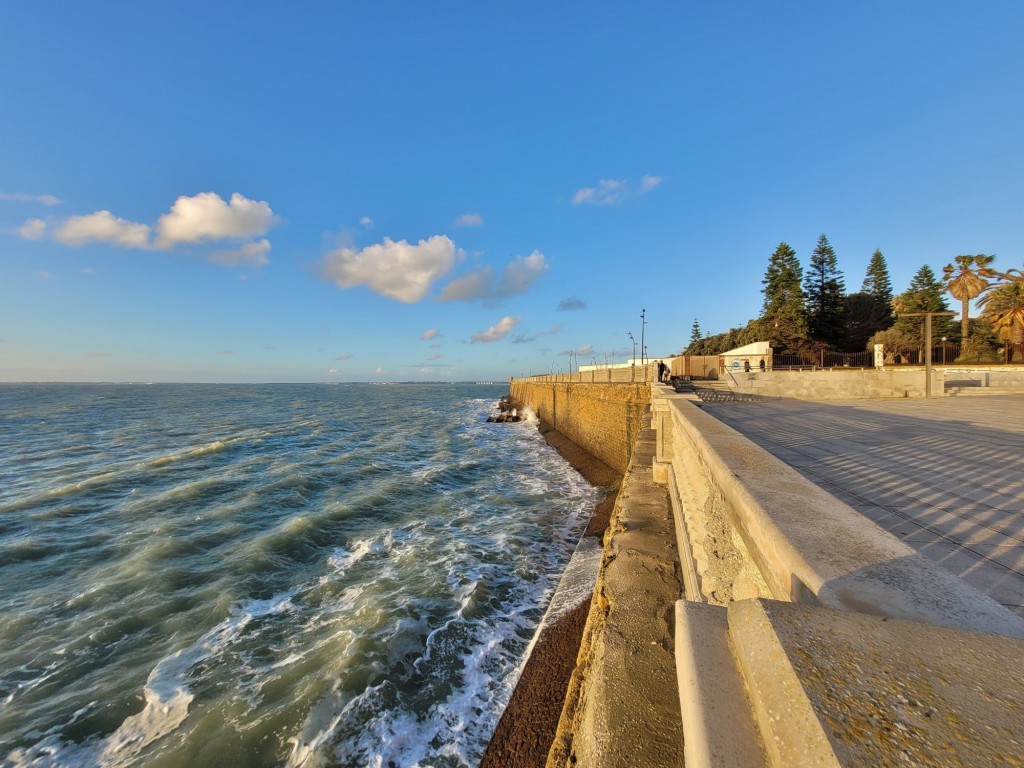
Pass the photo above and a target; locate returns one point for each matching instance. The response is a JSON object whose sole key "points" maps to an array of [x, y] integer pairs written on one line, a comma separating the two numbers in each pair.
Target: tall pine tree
{"points": [[876, 282], [782, 317], [695, 334], [869, 311], [823, 284]]}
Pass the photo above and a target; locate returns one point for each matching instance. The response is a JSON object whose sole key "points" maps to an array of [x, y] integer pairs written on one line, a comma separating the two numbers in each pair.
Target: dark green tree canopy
{"points": [[864, 316], [877, 283], [925, 294], [695, 334], [825, 290], [783, 316]]}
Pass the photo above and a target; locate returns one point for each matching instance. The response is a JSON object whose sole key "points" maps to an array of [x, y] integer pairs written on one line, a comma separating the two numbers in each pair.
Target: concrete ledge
{"points": [[811, 547], [717, 725], [627, 709], [833, 688]]}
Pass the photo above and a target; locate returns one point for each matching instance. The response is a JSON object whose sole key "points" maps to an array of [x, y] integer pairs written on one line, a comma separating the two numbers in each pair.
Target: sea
{"points": [[270, 575]]}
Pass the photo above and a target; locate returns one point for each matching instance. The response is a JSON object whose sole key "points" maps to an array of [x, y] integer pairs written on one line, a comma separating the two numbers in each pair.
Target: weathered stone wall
{"points": [[602, 418]]}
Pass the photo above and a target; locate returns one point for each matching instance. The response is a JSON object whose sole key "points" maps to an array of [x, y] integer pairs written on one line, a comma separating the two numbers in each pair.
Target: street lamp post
{"points": [[643, 327], [928, 344], [630, 334]]}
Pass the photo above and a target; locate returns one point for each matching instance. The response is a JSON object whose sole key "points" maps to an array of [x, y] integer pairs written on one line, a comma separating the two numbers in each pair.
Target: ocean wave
{"points": [[354, 588], [166, 694]]}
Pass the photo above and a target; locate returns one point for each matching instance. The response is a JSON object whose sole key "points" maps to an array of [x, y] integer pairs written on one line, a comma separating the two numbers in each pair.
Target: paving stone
{"points": [[949, 466]]}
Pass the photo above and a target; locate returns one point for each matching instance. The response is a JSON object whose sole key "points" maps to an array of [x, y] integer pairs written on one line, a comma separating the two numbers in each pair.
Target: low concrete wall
{"points": [[604, 419], [832, 384], [992, 378]]}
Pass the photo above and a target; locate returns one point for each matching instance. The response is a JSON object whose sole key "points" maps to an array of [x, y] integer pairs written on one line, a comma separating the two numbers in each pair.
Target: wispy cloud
{"points": [[497, 331], [430, 333], [516, 278], [614, 191], [399, 271], [249, 255], [21, 197], [367, 222], [571, 303], [468, 220], [343, 357], [586, 349], [33, 229]]}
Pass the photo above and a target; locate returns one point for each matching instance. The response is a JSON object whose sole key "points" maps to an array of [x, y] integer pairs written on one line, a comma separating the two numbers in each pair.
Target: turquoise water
{"points": [[298, 575]]}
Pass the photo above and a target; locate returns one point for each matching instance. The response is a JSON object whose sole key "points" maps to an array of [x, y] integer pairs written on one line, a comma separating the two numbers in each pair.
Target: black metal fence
{"points": [[823, 359], [945, 353]]}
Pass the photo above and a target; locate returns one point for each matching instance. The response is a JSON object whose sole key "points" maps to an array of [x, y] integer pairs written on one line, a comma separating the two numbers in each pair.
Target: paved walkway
{"points": [[944, 475]]}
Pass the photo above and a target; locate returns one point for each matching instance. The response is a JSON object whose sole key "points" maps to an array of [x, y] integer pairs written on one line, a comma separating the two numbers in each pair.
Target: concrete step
{"points": [[811, 686], [976, 391]]}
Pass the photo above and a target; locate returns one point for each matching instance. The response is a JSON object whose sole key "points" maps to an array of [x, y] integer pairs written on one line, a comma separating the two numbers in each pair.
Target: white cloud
{"points": [[191, 220], [434, 357], [468, 220], [430, 333], [21, 197], [103, 227], [475, 285], [249, 255], [44, 274], [380, 369], [332, 370], [33, 229], [207, 217], [497, 331], [398, 271], [614, 191], [367, 222]]}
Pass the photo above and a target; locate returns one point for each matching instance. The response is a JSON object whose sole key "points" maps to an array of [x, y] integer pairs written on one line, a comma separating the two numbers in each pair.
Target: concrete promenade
{"points": [[944, 475]]}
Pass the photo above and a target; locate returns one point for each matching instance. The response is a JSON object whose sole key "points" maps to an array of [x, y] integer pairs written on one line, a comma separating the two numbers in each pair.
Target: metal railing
{"points": [[823, 359], [639, 374]]}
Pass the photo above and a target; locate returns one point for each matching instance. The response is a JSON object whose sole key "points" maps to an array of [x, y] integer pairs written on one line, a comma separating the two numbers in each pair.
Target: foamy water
{"points": [[269, 575]]}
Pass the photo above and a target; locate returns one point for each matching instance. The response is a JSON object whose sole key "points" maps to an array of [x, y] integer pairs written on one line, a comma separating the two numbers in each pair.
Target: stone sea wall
{"points": [[802, 633], [603, 418]]}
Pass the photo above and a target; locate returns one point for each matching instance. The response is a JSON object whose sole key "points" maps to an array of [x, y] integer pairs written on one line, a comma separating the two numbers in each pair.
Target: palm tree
{"points": [[1003, 304], [967, 283]]}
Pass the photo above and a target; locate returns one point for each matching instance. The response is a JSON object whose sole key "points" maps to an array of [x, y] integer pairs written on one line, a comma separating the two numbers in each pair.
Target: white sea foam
{"points": [[166, 694]]}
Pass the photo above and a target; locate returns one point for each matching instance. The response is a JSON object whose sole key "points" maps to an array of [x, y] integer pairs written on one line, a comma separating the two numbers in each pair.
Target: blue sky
{"points": [[450, 191]]}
